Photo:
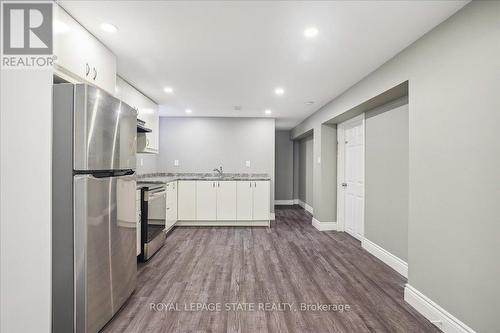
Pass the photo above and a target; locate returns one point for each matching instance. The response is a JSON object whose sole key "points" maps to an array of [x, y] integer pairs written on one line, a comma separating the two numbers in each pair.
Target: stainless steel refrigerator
{"points": [[94, 261]]}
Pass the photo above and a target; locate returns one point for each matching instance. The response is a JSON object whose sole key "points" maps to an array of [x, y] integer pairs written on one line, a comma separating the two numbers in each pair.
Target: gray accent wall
{"points": [[202, 144], [386, 177], [454, 159], [284, 166], [306, 165]]}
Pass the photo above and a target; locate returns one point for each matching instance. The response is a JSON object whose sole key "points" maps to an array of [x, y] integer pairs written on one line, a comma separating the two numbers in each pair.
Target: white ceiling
{"points": [[216, 55]]}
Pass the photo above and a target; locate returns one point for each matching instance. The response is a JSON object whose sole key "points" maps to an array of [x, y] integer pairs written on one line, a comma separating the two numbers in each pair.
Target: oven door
{"points": [[153, 233]]}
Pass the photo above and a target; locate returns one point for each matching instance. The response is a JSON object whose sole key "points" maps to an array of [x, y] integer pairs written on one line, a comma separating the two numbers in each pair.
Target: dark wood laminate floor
{"points": [[290, 262]]}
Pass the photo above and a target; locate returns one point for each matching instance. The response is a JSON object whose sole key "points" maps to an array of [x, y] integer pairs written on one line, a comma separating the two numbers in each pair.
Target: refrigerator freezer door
{"points": [[105, 131], [105, 258]]}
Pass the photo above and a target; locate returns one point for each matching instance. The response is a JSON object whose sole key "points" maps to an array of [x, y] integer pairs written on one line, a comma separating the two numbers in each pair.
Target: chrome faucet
{"points": [[219, 171]]}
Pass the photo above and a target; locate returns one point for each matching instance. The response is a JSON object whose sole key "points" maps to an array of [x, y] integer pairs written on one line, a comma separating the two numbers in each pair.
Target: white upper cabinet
{"points": [[80, 55], [147, 111]]}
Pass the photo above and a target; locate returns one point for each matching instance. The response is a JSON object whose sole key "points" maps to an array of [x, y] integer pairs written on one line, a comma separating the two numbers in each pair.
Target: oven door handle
{"points": [[156, 195]]}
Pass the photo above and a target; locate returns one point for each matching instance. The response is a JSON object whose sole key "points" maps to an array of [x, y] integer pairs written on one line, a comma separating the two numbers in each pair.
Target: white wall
{"points": [[25, 200], [454, 159], [202, 144]]}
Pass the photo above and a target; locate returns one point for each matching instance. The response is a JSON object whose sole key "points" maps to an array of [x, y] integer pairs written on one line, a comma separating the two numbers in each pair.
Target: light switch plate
{"points": [[247, 164], [142, 162], [319, 159], [176, 162]]}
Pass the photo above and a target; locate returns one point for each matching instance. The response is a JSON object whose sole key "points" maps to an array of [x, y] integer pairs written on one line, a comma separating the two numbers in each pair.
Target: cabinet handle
{"points": [[213, 184], [218, 184], [95, 73], [250, 184], [254, 184], [87, 69]]}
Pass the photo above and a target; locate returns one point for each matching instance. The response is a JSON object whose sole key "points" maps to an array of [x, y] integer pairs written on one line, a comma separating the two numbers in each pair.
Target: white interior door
{"points": [[352, 184]]}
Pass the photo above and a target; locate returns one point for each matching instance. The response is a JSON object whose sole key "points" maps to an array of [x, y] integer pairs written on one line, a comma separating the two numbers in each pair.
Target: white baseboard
{"points": [[324, 226], [434, 313], [272, 216], [283, 202], [296, 201], [257, 223], [390, 259], [305, 206]]}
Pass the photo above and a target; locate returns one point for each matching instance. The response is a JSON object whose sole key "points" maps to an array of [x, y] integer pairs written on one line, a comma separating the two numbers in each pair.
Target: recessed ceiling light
{"points": [[310, 32], [309, 103], [168, 90], [108, 27], [267, 111], [279, 91], [188, 111], [60, 27]]}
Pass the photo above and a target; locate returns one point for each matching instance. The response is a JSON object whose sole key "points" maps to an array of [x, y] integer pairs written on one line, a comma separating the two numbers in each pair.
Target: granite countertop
{"points": [[163, 178]]}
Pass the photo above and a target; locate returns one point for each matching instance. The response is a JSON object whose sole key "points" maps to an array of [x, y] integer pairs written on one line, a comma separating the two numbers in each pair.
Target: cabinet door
{"points": [[81, 55], [138, 216], [186, 200], [171, 205], [149, 112], [261, 191], [244, 200], [226, 200], [206, 200]]}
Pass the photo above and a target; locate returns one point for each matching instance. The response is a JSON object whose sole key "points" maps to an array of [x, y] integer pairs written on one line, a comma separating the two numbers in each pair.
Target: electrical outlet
{"points": [[176, 162], [247, 164], [319, 159], [142, 162]]}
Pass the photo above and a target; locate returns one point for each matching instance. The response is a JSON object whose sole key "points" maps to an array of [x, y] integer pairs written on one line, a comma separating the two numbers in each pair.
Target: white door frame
{"points": [[341, 172]]}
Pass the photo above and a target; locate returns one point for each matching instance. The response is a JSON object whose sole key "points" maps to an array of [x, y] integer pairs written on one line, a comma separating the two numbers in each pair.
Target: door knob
{"points": [[344, 184]]}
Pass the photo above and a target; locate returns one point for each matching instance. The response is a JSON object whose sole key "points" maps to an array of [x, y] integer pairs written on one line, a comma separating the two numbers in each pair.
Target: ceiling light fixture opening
{"points": [[108, 27], [279, 91], [168, 90], [267, 111], [189, 111], [311, 32]]}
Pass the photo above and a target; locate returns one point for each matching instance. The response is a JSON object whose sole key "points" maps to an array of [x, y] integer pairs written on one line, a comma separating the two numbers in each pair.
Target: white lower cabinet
{"points": [[226, 201], [260, 206], [171, 206], [244, 202], [206, 200], [186, 204], [253, 200]]}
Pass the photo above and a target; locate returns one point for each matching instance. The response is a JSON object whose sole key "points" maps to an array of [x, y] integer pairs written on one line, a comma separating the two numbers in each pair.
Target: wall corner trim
{"points": [[434, 313], [390, 259], [324, 226], [305, 206], [283, 202]]}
